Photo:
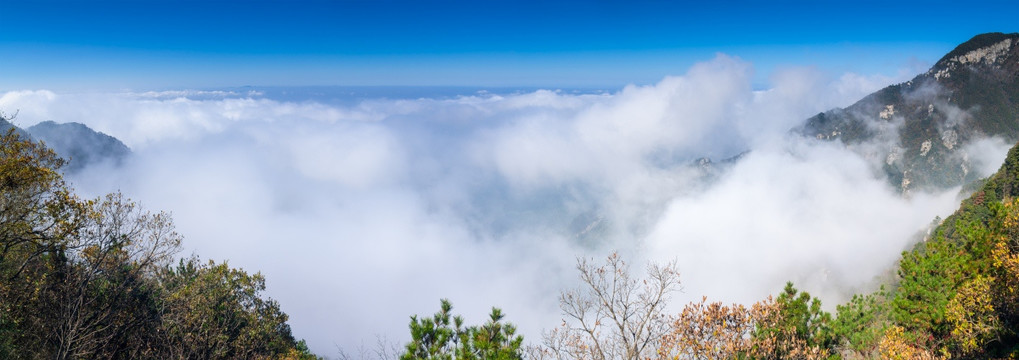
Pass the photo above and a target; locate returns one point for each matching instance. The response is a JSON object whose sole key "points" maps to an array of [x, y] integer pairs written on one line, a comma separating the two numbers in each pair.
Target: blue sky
{"points": [[151, 44]]}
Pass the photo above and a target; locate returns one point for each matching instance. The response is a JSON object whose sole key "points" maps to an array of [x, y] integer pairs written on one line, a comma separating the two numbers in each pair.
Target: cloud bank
{"points": [[363, 214]]}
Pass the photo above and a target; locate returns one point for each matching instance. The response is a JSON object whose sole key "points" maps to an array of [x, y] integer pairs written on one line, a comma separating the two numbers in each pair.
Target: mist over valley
{"points": [[508, 180], [386, 200]]}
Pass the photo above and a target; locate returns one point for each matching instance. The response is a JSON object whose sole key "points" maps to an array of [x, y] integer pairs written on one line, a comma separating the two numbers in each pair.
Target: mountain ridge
{"points": [[77, 143], [921, 126]]}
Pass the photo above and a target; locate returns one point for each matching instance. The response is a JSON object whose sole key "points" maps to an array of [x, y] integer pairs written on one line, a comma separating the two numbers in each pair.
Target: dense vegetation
{"points": [[958, 292], [100, 278]]}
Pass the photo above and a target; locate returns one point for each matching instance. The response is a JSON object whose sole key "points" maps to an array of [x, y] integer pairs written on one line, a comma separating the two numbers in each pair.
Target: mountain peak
{"points": [[921, 128], [79, 143], [978, 42], [990, 49]]}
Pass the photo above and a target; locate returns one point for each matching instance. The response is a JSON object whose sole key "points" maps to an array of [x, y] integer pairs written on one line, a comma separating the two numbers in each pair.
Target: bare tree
{"points": [[383, 349], [613, 315], [116, 251]]}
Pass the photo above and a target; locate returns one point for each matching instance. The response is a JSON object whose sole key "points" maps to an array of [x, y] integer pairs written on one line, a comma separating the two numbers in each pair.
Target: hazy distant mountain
{"points": [[6, 125], [972, 92], [75, 142], [78, 143]]}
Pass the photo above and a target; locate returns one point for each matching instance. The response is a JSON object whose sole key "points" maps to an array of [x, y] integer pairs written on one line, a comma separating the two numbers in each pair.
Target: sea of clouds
{"points": [[363, 213]]}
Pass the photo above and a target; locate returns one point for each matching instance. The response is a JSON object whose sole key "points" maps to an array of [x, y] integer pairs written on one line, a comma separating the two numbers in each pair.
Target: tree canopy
{"points": [[96, 279]]}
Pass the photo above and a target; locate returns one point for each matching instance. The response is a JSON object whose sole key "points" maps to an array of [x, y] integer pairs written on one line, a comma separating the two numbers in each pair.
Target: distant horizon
{"points": [[67, 45], [641, 70]]}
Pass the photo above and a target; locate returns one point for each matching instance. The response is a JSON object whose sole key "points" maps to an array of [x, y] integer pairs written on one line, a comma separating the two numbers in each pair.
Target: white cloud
{"points": [[807, 212], [363, 214]]}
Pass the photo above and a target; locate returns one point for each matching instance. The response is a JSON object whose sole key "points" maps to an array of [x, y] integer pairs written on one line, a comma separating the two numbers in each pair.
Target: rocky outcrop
{"points": [[919, 129]]}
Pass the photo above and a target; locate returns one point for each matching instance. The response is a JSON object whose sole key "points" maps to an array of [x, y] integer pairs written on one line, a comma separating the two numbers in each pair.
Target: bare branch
{"points": [[612, 316]]}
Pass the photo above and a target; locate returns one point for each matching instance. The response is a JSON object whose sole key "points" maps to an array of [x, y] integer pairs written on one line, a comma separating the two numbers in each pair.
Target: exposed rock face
{"points": [[989, 55], [920, 127]]}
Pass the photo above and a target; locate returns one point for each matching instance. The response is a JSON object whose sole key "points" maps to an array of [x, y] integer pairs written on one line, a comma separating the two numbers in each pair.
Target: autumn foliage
{"points": [[95, 278]]}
